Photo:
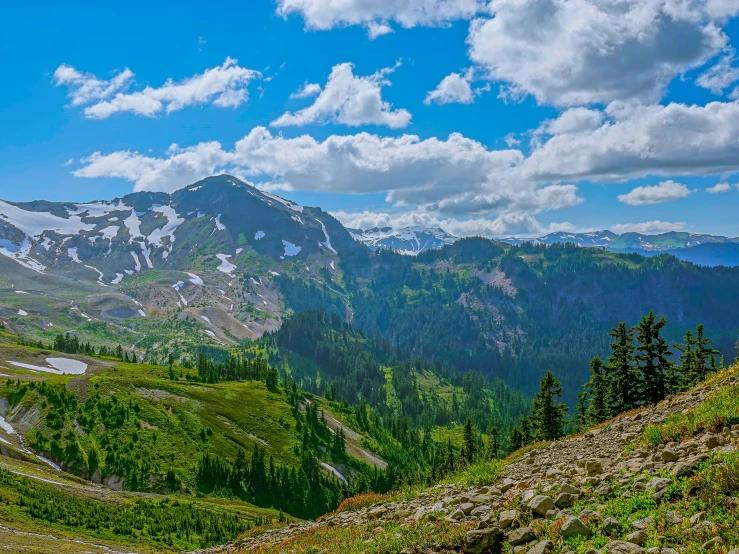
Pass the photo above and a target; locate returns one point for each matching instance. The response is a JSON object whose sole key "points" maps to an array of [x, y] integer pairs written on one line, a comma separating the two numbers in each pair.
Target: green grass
{"points": [[721, 408]]}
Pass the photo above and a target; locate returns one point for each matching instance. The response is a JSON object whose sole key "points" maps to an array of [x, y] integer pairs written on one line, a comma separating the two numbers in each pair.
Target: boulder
{"points": [[542, 548], [541, 504], [574, 527], [620, 547], [481, 540], [521, 535]]}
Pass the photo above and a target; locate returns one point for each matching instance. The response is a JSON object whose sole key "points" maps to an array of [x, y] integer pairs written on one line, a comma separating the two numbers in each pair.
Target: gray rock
{"points": [[715, 542], [637, 537], [507, 517], [620, 547], [457, 515], [521, 536], [697, 518], [480, 540], [569, 489], [673, 518], [541, 504], [480, 511], [564, 500], [467, 507], [542, 548], [658, 483], [574, 527], [593, 467], [643, 523], [611, 526]]}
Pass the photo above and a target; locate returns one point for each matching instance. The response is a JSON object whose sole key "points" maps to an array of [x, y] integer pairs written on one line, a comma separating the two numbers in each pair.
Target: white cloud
{"points": [[574, 120], [375, 15], [456, 176], [375, 30], [503, 225], [639, 141], [721, 76], [224, 86], [349, 100], [85, 87], [577, 52], [455, 88], [666, 191], [719, 188], [648, 227], [308, 90]]}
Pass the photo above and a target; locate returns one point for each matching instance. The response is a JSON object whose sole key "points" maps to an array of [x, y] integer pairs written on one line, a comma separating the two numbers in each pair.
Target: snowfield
{"points": [[291, 249], [259, 235], [67, 366], [194, 279], [7, 427], [226, 266]]}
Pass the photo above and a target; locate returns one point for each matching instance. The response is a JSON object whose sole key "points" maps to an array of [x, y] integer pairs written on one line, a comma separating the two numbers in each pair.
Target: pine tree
{"points": [[494, 441], [527, 437], [469, 442], [597, 389], [547, 414], [654, 375], [514, 440], [624, 390], [450, 457], [581, 411]]}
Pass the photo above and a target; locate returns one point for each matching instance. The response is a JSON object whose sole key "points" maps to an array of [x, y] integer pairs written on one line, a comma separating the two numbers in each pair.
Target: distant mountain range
{"points": [[708, 250], [408, 240]]}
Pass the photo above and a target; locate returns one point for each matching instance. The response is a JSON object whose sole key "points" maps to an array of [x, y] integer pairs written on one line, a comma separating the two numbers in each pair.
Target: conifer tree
{"points": [[597, 389], [527, 437], [654, 364], [547, 414], [581, 411], [514, 440], [494, 441], [623, 376], [469, 442]]}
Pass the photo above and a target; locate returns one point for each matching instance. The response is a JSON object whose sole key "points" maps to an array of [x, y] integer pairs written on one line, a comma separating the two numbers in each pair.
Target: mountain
{"points": [[707, 250], [206, 257], [410, 241]]}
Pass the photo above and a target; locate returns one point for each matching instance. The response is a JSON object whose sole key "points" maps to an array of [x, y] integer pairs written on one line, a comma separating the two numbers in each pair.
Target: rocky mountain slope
{"points": [[410, 241], [643, 482]]}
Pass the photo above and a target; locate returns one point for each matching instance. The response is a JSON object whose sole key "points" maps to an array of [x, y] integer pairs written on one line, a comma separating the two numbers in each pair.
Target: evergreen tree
{"points": [[653, 363], [581, 411], [494, 441], [624, 388], [514, 440], [469, 442], [547, 413], [597, 390], [527, 437]]}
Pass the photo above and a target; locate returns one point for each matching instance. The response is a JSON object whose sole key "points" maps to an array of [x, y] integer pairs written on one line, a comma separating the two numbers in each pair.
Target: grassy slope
{"points": [[712, 489]]}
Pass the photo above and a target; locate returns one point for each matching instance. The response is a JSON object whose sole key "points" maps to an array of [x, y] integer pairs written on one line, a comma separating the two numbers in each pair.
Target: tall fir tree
{"points": [[624, 379], [470, 446], [547, 413], [653, 365], [494, 441], [598, 391]]}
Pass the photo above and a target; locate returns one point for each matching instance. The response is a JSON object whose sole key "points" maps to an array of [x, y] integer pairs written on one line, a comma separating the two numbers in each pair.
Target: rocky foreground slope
{"points": [[611, 490]]}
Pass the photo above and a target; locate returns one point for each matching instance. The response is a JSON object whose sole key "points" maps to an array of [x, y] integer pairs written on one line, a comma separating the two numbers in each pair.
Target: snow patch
{"points": [[259, 235], [194, 279], [226, 266], [239, 251], [291, 249], [219, 226], [118, 279], [173, 222], [35, 223], [205, 318], [135, 257], [109, 233], [22, 312], [72, 253], [133, 223], [67, 366], [7, 427], [327, 244]]}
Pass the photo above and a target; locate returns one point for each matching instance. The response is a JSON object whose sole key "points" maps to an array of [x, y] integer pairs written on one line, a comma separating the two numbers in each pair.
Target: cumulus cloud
{"points": [[648, 227], [719, 188], [666, 191], [578, 52], [720, 76], [635, 142], [308, 90], [574, 120], [456, 176], [455, 88], [503, 225], [375, 15], [85, 87], [349, 100], [224, 86]]}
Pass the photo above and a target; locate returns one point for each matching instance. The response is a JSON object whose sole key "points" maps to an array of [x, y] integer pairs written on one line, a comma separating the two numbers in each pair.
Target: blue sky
{"points": [[546, 115]]}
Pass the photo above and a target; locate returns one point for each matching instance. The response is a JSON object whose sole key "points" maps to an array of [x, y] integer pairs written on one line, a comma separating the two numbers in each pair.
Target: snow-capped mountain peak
{"points": [[410, 241]]}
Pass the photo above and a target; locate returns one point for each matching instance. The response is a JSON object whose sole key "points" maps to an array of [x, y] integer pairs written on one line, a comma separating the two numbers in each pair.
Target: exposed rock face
{"points": [[539, 490]]}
